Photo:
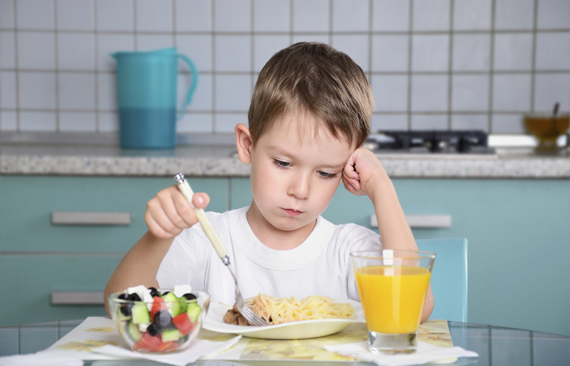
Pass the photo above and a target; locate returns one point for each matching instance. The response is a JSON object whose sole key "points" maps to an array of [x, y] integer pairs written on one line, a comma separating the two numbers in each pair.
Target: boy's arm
{"points": [[167, 214], [364, 174]]}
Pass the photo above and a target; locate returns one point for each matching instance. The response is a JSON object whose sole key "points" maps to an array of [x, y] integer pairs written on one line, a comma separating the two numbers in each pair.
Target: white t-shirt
{"points": [[319, 266]]}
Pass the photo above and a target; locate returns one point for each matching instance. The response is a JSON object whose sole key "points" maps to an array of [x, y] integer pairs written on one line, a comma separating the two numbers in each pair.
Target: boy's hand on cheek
{"points": [[360, 171], [168, 213]]}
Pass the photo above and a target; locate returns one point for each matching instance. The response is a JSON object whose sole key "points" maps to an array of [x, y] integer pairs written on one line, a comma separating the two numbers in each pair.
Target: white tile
{"points": [[514, 14], [226, 122], [75, 121], [35, 14], [264, 47], [38, 121], [511, 93], [472, 15], [470, 93], [232, 15], [391, 15], [429, 122], [193, 15], [36, 50], [107, 92], [470, 122], [76, 51], [431, 15], [196, 123], [8, 121], [311, 16], [272, 16], [115, 15], [7, 90], [154, 15], [75, 14], [390, 92], [390, 53], [355, 46], [553, 14], [513, 51], [76, 91], [430, 52], [198, 48], [507, 123], [233, 92], [7, 50], [7, 14], [429, 93], [108, 122], [471, 52], [551, 88], [111, 43], [389, 122], [350, 16], [552, 51], [202, 97], [233, 53], [322, 38], [36, 90], [153, 42]]}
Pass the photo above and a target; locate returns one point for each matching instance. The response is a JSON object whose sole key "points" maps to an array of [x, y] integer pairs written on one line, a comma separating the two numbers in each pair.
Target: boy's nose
{"points": [[300, 186]]}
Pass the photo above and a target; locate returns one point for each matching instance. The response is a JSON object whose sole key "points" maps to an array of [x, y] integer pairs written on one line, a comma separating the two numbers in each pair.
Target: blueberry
{"points": [[122, 296], [152, 330], [126, 309], [190, 296], [154, 292], [162, 319], [134, 297]]}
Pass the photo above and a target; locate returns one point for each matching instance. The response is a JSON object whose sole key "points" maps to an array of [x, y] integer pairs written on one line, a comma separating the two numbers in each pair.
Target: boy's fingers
{"points": [[155, 228]]}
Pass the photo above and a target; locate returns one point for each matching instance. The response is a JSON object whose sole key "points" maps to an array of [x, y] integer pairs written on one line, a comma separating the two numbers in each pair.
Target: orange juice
{"points": [[392, 297]]}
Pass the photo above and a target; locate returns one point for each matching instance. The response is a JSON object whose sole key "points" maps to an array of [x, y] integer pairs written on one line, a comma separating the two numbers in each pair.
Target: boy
{"points": [[309, 115]]}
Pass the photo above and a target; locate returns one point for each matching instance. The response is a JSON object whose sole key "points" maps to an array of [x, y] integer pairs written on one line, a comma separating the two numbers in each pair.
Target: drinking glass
{"points": [[392, 285]]}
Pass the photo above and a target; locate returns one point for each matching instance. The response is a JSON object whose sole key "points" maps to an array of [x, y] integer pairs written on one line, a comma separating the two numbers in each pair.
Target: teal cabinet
{"points": [[518, 232]]}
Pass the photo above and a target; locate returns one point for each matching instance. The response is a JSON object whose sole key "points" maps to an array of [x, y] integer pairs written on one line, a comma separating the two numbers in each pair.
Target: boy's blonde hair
{"points": [[313, 77]]}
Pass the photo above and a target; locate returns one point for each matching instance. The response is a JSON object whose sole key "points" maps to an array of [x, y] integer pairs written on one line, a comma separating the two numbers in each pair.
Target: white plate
{"points": [[293, 330]]}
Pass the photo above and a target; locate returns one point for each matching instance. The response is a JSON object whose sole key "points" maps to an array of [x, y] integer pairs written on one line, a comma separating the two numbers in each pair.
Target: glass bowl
{"points": [[165, 324]]}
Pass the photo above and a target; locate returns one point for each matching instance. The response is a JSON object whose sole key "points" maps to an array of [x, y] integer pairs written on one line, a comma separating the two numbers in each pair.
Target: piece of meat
{"points": [[233, 316]]}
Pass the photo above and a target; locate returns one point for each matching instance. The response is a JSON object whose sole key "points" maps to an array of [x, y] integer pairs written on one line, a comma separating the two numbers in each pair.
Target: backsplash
{"points": [[432, 64]]}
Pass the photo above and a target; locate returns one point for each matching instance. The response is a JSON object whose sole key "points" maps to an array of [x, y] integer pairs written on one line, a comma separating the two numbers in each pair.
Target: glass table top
{"points": [[495, 345]]}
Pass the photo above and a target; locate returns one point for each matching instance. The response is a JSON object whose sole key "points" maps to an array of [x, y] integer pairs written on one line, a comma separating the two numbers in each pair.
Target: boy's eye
{"points": [[281, 163], [326, 175]]}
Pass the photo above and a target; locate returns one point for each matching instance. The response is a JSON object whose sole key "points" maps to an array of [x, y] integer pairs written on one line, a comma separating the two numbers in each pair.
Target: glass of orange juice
{"points": [[392, 285]]}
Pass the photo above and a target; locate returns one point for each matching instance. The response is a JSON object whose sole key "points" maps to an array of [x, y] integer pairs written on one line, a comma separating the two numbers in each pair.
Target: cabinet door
{"points": [[28, 281], [27, 202]]}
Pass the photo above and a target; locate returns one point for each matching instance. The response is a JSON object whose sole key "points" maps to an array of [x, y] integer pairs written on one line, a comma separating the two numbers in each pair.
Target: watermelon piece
{"points": [[148, 342], [158, 304], [182, 323], [167, 346]]}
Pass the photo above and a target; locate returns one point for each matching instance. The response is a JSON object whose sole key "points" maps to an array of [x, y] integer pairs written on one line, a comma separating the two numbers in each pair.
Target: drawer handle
{"points": [[77, 298], [90, 218], [421, 221]]}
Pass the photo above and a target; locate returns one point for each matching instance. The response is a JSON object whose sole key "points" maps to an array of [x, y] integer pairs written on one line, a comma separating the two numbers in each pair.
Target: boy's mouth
{"points": [[292, 212]]}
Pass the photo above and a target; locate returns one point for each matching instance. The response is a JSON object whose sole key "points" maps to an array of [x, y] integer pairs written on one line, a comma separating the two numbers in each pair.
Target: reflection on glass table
{"points": [[496, 346]]}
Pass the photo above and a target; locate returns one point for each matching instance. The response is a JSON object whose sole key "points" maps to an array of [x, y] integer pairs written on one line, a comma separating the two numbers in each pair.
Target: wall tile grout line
{"points": [[17, 65], [450, 66], [135, 25], [330, 23], [370, 47], [491, 67], [252, 45], [533, 56], [214, 75], [56, 55], [410, 55], [95, 42]]}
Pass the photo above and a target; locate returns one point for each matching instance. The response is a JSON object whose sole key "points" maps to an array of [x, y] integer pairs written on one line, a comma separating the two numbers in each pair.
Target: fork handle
{"points": [[184, 187]]}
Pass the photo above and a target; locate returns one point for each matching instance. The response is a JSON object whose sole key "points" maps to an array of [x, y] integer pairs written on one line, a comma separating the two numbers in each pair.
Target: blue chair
{"points": [[449, 277]]}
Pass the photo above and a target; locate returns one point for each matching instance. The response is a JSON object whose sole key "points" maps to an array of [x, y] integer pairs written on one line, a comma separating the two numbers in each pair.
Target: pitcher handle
{"points": [[193, 86]]}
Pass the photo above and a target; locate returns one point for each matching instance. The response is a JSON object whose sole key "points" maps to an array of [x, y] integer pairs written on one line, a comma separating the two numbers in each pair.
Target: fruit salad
{"points": [[159, 320]]}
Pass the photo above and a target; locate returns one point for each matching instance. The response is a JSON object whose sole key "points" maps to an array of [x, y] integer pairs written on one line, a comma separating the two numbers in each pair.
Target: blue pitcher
{"points": [[146, 90]]}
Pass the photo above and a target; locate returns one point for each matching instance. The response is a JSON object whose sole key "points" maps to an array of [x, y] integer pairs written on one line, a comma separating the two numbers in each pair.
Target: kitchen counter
{"points": [[222, 160]]}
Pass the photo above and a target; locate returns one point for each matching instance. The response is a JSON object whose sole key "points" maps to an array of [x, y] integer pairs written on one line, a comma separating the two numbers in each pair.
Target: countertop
{"points": [[222, 161]]}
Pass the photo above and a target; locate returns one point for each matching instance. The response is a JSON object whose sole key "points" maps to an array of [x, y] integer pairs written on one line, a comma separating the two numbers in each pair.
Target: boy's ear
{"points": [[244, 143]]}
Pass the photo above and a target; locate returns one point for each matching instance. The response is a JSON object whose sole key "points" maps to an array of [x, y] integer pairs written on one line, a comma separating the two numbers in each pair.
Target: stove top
{"points": [[430, 142]]}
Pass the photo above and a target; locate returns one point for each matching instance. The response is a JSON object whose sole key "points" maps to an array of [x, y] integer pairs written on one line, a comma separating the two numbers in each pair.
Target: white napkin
{"points": [[39, 359], [425, 353], [199, 348]]}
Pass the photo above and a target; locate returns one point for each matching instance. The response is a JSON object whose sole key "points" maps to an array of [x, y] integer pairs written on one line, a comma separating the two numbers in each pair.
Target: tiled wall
{"points": [[443, 64]]}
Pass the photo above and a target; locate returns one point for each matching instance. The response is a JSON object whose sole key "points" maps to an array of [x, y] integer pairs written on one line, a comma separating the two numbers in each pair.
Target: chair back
{"points": [[449, 277]]}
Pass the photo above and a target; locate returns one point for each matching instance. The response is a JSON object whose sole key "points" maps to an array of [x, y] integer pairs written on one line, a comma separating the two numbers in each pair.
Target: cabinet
{"points": [[519, 241], [38, 257]]}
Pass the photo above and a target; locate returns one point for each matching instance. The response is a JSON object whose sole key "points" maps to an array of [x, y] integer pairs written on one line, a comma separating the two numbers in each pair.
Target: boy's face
{"points": [[296, 167]]}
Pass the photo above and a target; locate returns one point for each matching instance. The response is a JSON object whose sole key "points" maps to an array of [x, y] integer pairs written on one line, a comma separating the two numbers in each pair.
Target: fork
{"points": [[244, 310]]}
